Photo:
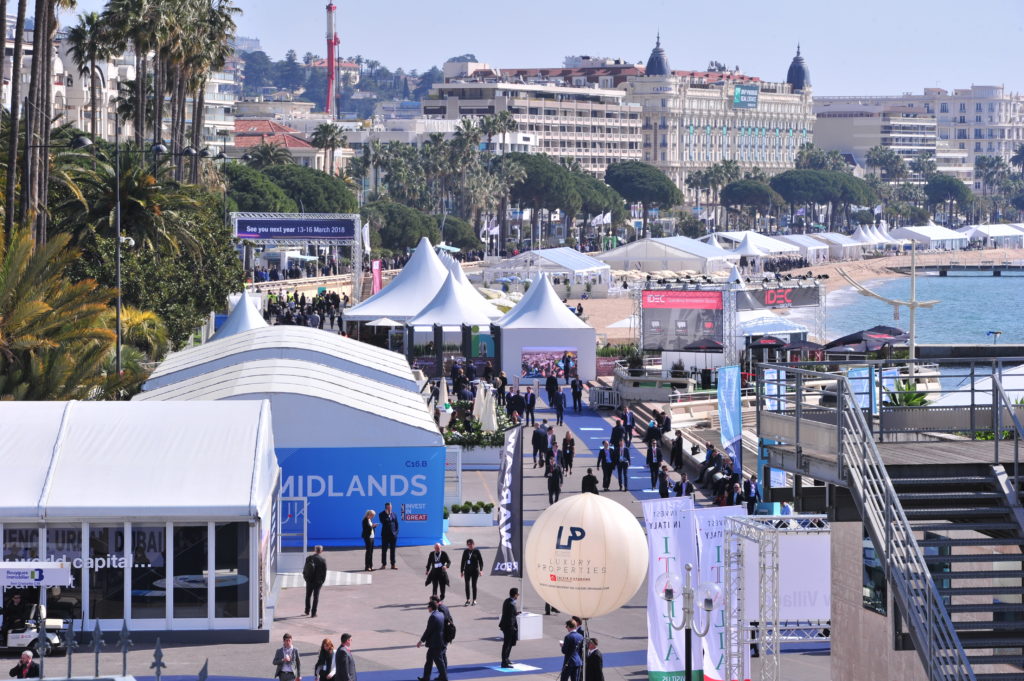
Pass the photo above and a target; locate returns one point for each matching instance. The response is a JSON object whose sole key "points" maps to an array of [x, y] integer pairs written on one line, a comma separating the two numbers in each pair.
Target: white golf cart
{"points": [[25, 634]]}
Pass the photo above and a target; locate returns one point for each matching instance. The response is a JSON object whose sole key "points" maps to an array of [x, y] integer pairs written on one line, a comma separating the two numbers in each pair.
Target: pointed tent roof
{"points": [[453, 306], [408, 292], [862, 236], [713, 241], [541, 308], [455, 267], [748, 249], [245, 317], [734, 275]]}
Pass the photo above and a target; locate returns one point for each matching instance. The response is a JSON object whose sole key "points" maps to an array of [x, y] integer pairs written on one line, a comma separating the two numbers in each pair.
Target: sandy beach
{"points": [[602, 313]]}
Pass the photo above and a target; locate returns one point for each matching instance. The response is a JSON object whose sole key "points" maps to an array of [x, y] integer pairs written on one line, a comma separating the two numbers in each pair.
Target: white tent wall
{"points": [[668, 254], [584, 341]]}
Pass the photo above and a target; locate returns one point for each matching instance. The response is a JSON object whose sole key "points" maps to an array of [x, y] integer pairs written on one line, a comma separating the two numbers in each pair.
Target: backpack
{"points": [[449, 628], [309, 569]]}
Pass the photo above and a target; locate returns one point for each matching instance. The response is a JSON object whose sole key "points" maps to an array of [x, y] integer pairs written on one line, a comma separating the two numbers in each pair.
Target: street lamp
{"points": [[674, 590]]}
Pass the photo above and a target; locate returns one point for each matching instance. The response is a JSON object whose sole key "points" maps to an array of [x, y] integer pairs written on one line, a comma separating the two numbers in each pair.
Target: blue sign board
{"points": [[341, 484], [745, 97], [297, 227]]}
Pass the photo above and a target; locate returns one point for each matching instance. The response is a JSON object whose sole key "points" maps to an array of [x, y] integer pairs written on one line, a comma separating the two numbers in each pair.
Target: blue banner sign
{"points": [[297, 227], [745, 97], [341, 484], [730, 414]]}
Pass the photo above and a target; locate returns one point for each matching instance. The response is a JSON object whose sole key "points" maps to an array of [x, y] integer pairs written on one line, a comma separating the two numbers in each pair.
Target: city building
{"points": [[251, 132], [982, 120], [281, 105], [242, 43], [694, 119], [593, 125]]}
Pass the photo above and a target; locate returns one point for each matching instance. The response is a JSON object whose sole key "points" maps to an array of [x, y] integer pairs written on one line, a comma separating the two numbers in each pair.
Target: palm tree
{"points": [[506, 123], [267, 154], [87, 45], [489, 127], [12, 132], [1017, 160], [143, 330], [328, 136]]}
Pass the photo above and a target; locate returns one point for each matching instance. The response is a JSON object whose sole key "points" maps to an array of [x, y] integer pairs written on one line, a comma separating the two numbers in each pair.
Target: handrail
{"points": [[929, 623], [999, 400]]}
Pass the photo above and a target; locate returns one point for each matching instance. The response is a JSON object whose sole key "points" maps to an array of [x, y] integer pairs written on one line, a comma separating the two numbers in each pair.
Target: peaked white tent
{"points": [[764, 243], [749, 250], [244, 317], [455, 267], [840, 246], [540, 320], [286, 342], [408, 292], [861, 236], [813, 250], [567, 264], [454, 305]]}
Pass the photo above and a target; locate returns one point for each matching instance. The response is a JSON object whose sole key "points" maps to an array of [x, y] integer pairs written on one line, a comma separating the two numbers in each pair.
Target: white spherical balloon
{"points": [[586, 555]]}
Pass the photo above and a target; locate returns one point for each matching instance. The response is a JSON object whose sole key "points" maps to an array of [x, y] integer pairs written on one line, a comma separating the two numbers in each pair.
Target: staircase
{"points": [[972, 541]]}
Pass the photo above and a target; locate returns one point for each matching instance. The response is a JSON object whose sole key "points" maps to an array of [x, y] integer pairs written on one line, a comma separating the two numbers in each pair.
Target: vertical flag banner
{"points": [[730, 414], [366, 238], [672, 543], [774, 386], [509, 560], [377, 269], [710, 528]]}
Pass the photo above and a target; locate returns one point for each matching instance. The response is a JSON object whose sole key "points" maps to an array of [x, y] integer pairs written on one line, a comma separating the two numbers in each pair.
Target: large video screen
{"points": [[673, 319]]}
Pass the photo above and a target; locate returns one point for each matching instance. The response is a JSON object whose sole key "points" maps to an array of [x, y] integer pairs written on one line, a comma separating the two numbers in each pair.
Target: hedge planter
{"points": [[471, 519]]}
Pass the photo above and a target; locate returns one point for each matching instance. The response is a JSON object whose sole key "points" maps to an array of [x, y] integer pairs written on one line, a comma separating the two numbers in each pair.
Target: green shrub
{"points": [[478, 506], [445, 512], [456, 508], [488, 507]]}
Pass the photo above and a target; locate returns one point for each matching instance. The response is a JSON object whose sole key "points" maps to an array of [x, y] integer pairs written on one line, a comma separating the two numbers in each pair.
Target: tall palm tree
{"points": [[267, 154], [1017, 160], [15, 117], [328, 136], [87, 45], [506, 123]]}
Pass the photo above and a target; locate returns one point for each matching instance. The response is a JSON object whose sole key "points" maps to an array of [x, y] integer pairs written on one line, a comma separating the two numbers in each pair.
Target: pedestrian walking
{"points": [[677, 450], [369, 531], [433, 637], [509, 626], [595, 662], [530, 404], [623, 471], [555, 479], [684, 487], [572, 644], [287, 661], [654, 461], [589, 482], [752, 493], [604, 462], [314, 574], [664, 484], [344, 663], [558, 400], [324, 667], [388, 535], [470, 567], [539, 440], [568, 452], [576, 386], [438, 563]]}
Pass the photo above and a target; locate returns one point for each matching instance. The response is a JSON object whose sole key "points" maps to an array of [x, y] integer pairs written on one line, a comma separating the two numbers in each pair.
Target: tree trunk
{"points": [[33, 121], [198, 123], [16, 110], [44, 169], [3, 32], [180, 137], [140, 96], [159, 78]]}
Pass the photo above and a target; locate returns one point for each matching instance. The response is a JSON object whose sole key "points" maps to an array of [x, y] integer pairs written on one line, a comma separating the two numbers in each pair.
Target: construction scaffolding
{"points": [[766, 630]]}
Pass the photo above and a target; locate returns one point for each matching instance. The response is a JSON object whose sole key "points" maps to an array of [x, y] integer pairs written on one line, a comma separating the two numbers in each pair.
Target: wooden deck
{"points": [[924, 453]]}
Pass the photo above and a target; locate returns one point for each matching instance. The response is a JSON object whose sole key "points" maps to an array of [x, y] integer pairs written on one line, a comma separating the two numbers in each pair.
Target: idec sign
{"points": [[777, 297], [682, 300]]}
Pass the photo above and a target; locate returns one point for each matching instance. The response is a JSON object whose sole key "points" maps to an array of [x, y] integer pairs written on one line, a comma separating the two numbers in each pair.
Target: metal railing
{"points": [[1001, 401], [860, 463]]}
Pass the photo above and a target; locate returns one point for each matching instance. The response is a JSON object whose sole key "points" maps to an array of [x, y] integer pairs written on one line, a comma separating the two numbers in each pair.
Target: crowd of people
{"points": [[319, 311]]}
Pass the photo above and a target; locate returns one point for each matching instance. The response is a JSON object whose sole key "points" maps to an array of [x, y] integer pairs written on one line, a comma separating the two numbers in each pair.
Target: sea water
{"points": [[970, 308]]}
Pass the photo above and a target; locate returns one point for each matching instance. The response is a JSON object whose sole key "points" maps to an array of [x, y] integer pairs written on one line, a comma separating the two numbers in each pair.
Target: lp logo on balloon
{"points": [[575, 534]]}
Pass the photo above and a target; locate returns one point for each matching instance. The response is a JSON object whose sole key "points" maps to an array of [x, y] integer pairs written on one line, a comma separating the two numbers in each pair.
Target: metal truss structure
{"points": [[764, 532]]}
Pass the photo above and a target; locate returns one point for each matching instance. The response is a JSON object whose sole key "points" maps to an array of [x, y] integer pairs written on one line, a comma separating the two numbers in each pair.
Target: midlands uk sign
{"points": [[292, 226]]}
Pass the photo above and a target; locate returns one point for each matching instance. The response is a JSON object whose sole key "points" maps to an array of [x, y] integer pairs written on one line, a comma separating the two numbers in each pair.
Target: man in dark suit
{"points": [[752, 493], [576, 386], [628, 423], [433, 637], [654, 461], [529, 403], [735, 497], [558, 402], [314, 573], [551, 386], [509, 626], [388, 535], [684, 487], [344, 667], [26, 668], [589, 483], [623, 472], [595, 662], [540, 443], [438, 563], [572, 644], [677, 450], [618, 434], [470, 567], [555, 479], [604, 461], [518, 404]]}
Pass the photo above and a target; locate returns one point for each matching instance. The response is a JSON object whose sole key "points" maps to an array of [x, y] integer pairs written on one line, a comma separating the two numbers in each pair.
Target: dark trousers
{"points": [[553, 495], [571, 673], [369, 554], [438, 581], [385, 544], [312, 594], [471, 578], [623, 474], [577, 401], [538, 456], [559, 416], [436, 658], [607, 469], [528, 419], [654, 468], [508, 640]]}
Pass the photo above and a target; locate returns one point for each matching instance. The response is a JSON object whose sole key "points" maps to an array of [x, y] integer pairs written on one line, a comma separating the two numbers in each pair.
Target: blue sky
{"points": [[852, 48]]}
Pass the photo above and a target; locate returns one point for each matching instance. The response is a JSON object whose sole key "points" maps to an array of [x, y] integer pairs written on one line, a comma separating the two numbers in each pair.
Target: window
{"points": [[106, 582], [977, 107], [944, 107], [190, 570], [65, 543], [963, 107], [231, 592], [149, 572]]}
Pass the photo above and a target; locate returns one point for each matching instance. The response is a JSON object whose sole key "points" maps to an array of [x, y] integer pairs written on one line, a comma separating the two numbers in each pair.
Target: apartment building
{"points": [[982, 120], [593, 125]]}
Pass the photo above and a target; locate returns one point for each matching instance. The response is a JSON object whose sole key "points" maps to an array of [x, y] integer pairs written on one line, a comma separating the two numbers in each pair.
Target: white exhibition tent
{"points": [[747, 249], [811, 249], [999, 236], [566, 264], [245, 316], [455, 268], [840, 246], [286, 342], [540, 319], [128, 460], [764, 243], [932, 236], [313, 405], [864, 237], [675, 253], [454, 306], [406, 294]]}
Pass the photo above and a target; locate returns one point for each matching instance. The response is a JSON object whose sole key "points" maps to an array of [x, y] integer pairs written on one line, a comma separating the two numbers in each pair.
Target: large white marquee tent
{"points": [[813, 250], [566, 264], [761, 242], [411, 289], [840, 246], [136, 484], [676, 253], [932, 236], [999, 236], [541, 320]]}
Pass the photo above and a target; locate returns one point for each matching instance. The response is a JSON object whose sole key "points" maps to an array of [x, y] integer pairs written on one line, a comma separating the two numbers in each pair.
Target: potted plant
{"points": [[634, 361], [488, 507], [677, 369]]}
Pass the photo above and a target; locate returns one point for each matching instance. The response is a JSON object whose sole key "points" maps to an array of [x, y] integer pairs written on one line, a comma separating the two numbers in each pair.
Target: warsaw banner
{"points": [[670, 540], [710, 527], [730, 414], [509, 560]]}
